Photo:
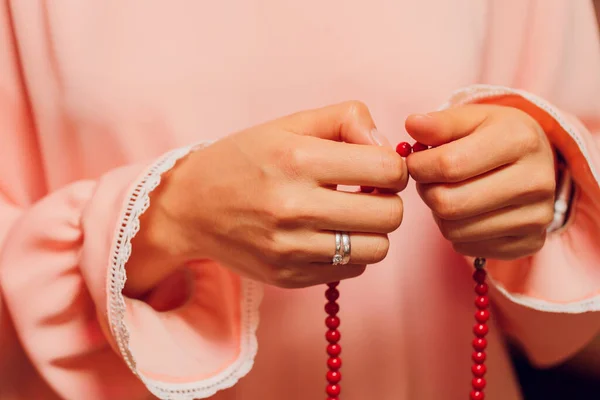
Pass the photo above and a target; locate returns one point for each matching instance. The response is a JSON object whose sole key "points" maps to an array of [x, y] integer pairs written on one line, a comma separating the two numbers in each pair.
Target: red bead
{"points": [[482, 316], [479, 344], [334, 376], [479, 357], [482, 302], [332, 322], [480, 330], [481, 289], [419, 147], [404, 149], [333, 390], [478, 383], [332, 294], [332, 308], [333, 284], [479, 275], [479, 370], [334, 349], [333, 336], [334, 363]]}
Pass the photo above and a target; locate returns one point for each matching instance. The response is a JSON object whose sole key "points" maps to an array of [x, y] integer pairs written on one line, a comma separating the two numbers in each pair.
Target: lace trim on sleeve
{"points": [[137, 204]]}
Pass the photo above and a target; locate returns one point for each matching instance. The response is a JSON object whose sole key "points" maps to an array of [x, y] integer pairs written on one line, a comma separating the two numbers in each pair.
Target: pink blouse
{"points": [[98, 99]]}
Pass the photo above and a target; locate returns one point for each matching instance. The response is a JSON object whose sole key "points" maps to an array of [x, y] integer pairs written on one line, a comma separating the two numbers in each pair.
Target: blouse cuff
{"points": [[193, 351], [564, 277]]}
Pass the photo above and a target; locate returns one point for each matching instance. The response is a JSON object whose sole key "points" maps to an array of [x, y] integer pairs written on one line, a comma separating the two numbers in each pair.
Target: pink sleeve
{"points": [[62, 268], [544, 58], [191, 352], [46, 301]]}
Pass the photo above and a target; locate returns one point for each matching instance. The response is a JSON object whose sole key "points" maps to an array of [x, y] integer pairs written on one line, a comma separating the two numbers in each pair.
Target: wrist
{"points": [[161, 245]]}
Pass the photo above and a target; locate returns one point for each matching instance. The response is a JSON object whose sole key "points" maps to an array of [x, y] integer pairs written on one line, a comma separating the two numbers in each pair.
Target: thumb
{"points": [[441, 127], [349, 122]]}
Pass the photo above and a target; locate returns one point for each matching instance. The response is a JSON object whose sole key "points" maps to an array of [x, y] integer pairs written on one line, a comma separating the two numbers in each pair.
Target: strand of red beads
{"points": [[482, 315], [482, 303], [333, 336], [405, 149]]}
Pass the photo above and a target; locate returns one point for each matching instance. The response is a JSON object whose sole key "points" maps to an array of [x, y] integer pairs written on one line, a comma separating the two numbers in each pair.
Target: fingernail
{"points": [[379, 139]]}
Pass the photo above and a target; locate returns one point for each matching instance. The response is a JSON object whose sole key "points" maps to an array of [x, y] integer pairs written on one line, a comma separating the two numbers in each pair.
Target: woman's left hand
{"points": [[489, 178]]}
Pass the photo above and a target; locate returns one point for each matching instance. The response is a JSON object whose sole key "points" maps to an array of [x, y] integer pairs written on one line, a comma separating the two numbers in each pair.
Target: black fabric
{"points": [[553, 384]]}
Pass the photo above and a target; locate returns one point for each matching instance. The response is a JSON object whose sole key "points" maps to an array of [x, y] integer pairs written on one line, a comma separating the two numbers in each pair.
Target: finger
{"points": [[488, 148], [349, 122], [441, 127], [332, 163], [509, 186], [510, 221], [311, 274], [365, 248], [505, 248], [353, 212]]}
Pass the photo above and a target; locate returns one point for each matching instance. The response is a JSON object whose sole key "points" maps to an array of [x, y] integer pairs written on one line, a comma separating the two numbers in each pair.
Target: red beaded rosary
{"points": [[482, 315]]}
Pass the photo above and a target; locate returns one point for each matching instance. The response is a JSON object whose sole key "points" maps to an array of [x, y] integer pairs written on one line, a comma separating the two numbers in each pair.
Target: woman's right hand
{"points": [[263, 202]]}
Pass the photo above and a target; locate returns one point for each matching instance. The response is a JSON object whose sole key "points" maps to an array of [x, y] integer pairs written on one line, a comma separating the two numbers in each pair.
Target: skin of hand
{"points": [[489, 178], [263, 202]]}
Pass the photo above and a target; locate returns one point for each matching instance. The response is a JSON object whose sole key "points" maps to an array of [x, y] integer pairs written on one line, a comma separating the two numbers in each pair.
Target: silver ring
{"points": [[338, 256], [346, 248]]}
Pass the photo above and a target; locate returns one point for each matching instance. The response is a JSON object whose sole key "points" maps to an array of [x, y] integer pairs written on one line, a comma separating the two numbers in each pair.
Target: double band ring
{"points": [[342, 248]]}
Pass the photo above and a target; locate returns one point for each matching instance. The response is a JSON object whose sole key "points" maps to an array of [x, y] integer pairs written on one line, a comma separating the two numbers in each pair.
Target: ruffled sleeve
{"points": [[63, 267], [195, 350], [549, 302]]}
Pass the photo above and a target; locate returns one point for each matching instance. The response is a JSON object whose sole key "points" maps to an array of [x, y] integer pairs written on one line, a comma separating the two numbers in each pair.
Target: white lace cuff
{"points": [[172, 387], [561, 278]]}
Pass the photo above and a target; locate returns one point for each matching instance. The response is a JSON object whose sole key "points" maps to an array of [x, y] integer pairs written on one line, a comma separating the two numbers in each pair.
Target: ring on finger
{"points": [[346, 248], [338, 256]]}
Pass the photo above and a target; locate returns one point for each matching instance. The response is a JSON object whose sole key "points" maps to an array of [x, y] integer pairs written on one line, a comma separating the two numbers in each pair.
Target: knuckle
{"points": [[450, 164], [381, 247], [537, 243], [541, 241], [542, 186], [288, 211], [356, 109], [413, 169], [548, 185], [441, 202], [396, 213], [530, 141], [271, 212], [284, 277], [528, 134], [278, 250], [392, 166], [447, 230], [537, 219], [294, 160], [545, 217]]}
